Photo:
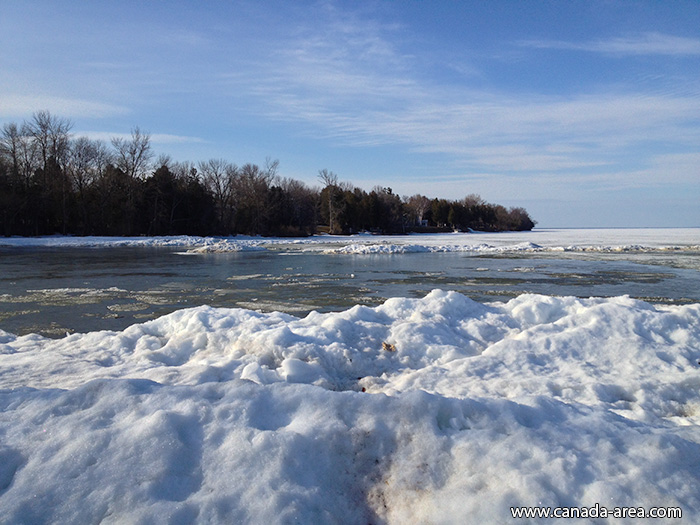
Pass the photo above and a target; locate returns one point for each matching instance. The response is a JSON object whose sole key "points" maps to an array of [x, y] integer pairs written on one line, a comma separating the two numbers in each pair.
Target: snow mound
{"points": [[381, 248], [437, 409], [62, 241], [365, 249], [226, 246], [408, 246], [682, 240]]}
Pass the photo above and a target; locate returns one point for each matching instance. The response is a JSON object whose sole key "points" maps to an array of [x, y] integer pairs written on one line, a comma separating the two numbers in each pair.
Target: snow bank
{"points": [[554, 240], [364, 249], [226, 246], [60, 241], [230, 415], [193, 243], [584, 241]]}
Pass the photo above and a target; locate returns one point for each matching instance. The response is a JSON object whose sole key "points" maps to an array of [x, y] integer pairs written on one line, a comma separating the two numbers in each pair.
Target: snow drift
{"points": [[230, 415], [536, 241]]}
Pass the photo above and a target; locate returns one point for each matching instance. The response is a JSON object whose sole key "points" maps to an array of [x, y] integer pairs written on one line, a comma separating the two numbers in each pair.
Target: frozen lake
{"points": [[56, 286]]}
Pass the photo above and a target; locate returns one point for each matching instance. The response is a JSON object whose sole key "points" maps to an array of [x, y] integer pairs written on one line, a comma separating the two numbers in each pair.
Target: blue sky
{"points": [[585, 113]]}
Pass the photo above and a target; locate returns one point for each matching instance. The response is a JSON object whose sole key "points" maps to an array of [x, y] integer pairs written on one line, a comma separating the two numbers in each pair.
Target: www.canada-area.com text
{"points": [[596, 511]]}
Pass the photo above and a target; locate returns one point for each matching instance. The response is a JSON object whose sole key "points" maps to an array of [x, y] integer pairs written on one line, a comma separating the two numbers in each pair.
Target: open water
{"points": [[54, 291]]}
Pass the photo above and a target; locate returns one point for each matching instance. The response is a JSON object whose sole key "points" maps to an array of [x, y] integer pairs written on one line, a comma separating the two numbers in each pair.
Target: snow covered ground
{"points": [[432, 410]]}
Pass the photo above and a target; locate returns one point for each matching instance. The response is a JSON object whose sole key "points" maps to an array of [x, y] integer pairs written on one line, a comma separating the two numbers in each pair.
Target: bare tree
{"points": [[418, 206], [271, 168], [85, 165], [303, 204], [519, 219], [87, 160], [164, 160], [219, 178], [328, 178], [19, 160], [183, 170], [330, 181], [251, 190], [20, 152], [9, 146], [51, 138], [51, 135], [472, 200], [133, 156]]}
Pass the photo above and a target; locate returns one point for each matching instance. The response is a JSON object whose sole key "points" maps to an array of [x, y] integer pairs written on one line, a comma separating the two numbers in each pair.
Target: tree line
{"points": [[52, 182]]}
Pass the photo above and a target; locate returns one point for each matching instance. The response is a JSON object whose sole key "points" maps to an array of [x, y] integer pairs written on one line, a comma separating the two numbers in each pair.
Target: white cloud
{"points": [[21, 106], [156, 138], [641, 44], [165, 138], [499, 132], [350, 81]]}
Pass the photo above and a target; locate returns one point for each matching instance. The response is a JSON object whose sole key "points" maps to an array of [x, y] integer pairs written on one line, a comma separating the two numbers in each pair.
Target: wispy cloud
{"points": [[351, 80], [165, 138], [641, 44], [20, 106], [384, 105], [156, 138]]}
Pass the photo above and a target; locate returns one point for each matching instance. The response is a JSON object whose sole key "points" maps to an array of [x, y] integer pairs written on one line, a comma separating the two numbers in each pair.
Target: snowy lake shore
{"points": [[434, 409], [556, 240]]}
